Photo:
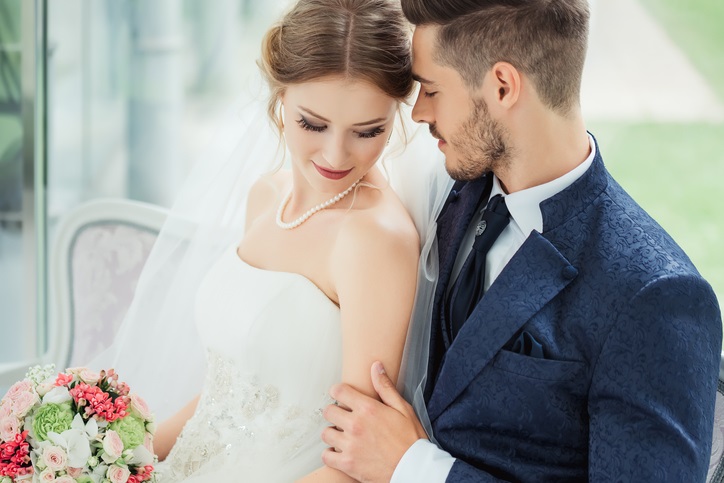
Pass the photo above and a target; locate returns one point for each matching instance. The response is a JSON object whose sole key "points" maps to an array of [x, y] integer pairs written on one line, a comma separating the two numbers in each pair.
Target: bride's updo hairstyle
{"points": [[362, 40]]}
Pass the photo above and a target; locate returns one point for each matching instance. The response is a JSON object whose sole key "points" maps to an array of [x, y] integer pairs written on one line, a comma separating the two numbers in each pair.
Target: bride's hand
{"points": [[169, 430], [368, 440]]}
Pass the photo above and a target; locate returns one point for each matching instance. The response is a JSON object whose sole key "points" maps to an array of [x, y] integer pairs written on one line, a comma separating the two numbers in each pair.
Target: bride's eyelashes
{"points": [[371, 134], [310, 127], [307, 126]]}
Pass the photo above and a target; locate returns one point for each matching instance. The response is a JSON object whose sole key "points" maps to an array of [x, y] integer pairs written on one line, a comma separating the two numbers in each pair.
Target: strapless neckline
{"points": [[274, 348], [294, 275]]}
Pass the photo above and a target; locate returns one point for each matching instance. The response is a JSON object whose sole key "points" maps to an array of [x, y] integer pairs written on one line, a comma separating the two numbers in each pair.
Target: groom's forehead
{"points": [[424, 41]]}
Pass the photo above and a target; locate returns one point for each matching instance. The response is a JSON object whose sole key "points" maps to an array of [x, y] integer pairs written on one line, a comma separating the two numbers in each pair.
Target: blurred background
{"points": [[117, 98]]}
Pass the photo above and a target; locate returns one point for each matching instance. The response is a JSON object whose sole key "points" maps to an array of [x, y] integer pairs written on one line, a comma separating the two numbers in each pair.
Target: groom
{"points": [[571, 338]]}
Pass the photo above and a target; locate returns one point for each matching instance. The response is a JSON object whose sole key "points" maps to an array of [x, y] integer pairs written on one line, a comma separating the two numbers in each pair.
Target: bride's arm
{"points": [[375, 273], [169, 430]]}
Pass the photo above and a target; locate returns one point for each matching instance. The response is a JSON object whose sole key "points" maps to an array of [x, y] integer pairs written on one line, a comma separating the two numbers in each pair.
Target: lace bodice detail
{"points": [[273, 347]]}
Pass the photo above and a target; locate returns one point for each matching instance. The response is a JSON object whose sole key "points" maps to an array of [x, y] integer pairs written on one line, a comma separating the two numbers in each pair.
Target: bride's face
{"points": [[336, 130]]}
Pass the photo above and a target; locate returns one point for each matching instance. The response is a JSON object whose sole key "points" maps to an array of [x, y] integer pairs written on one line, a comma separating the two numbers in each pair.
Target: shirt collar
{"points": [[524, 205]]}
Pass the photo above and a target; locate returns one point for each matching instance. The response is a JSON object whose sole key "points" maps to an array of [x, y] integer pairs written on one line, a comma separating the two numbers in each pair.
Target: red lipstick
{"points": [[330, 173]]}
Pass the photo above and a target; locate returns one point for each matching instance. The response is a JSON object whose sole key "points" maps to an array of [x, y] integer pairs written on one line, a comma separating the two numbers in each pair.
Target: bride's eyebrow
{"points": [[373, 121], [321, 118], [312, 113]]}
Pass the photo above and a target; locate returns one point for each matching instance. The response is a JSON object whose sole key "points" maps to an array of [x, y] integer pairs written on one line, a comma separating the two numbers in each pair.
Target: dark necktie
{"points": [[470, 284]]}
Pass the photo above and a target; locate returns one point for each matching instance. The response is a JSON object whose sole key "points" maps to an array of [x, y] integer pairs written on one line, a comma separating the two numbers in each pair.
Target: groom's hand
{"points": [[368, 438]]}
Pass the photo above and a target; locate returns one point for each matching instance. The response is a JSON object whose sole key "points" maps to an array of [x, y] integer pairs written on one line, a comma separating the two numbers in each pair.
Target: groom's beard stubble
{"points": [[478, 147]]}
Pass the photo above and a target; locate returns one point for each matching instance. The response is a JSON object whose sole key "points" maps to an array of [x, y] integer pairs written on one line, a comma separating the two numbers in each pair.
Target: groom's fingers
{"points": [[386, 389], [335, 459], [333, 438], [336, 416], [347, 396]]}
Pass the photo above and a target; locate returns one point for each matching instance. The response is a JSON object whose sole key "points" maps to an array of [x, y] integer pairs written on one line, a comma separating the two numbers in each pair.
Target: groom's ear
{"points": [[506, 81]]}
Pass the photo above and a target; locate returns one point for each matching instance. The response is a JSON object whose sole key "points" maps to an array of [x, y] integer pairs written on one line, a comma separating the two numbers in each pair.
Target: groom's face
{"points": [[471, 139]]}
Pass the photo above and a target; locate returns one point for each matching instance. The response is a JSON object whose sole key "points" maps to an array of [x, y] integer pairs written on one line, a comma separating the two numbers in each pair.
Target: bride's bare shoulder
{"points": [[383, 228], [265, 194]]}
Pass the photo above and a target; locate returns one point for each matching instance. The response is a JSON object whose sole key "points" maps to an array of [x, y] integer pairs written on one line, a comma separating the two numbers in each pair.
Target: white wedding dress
{"points": [[273, 344]]}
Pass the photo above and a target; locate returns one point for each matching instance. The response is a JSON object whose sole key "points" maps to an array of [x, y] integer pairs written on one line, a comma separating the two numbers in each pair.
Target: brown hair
{"points": [[366, 40], [544, 39]]}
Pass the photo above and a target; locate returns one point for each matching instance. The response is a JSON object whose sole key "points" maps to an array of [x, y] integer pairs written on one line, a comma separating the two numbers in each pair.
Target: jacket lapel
{"points": [[516, 295], [451, 227]]}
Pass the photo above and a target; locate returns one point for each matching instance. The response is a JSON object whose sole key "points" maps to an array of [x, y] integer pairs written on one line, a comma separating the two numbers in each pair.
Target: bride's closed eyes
{"points": [[307, 126]]}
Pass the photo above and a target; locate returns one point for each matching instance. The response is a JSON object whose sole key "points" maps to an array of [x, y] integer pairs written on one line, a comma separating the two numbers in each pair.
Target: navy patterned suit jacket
{"points": [[631, 335]]}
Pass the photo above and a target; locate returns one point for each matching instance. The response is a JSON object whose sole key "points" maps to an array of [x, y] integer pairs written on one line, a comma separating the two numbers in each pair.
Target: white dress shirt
{"points": [[424, 462]]}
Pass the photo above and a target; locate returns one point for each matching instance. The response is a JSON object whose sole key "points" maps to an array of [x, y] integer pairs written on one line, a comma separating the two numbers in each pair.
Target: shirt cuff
{"points": [[423, 462]]}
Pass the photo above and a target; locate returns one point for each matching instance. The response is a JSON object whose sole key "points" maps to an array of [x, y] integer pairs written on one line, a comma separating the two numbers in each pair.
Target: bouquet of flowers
{"points": [[76, 426]]}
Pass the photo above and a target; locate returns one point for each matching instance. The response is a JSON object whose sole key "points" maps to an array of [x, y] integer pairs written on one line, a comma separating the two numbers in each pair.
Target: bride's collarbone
{"points": [[306, 252]]}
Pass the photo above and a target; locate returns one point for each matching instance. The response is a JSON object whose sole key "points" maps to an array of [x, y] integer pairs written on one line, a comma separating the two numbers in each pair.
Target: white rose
{"points": [[47, 476], [55, 458], [118, 474], [74, 472], [139, 406], [112, 446], [65, 479], [57, 395], [88, 376]]}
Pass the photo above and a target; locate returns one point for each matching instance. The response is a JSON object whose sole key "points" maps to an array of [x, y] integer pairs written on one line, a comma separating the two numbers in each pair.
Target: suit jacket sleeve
{"points": [[653, 387]]}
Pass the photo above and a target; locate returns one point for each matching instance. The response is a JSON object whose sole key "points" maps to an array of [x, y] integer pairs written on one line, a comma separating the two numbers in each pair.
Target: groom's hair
{"points": [[544, 39]]}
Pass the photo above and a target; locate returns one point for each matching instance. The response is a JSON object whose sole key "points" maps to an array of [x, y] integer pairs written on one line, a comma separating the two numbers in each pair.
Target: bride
{"points": [[263, 291]]}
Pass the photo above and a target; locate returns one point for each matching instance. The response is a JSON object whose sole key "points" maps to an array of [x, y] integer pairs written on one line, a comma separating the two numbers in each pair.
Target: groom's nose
{"points": [[421, 111]]}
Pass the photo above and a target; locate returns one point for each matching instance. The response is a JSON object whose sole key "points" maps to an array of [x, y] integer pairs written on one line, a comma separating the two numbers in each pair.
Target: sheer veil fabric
{"points": [[157, 349]]}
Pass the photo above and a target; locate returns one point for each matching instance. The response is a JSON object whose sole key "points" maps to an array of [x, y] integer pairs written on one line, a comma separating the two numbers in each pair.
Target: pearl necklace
{"points": [[309, 213]]}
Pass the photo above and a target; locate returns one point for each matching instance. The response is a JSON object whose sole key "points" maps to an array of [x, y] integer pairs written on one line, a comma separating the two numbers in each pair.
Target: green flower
{"points": [[84, 479], [131, 430], [52, 417]]}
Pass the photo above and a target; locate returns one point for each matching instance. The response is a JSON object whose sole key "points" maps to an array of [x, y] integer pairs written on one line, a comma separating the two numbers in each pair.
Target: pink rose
{"points": [[47, 475], [18, 388], [118, 474], [9, 427], [24, 402], [138, 404], [74, 472], [55, 458], [112, 446]]}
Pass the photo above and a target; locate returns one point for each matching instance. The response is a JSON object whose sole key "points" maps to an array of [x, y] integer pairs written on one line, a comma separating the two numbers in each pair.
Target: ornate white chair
{"points": [[96, 258]]}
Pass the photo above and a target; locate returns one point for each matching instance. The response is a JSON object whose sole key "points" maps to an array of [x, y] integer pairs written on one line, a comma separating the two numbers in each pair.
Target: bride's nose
{"points": [[335, 151]]}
